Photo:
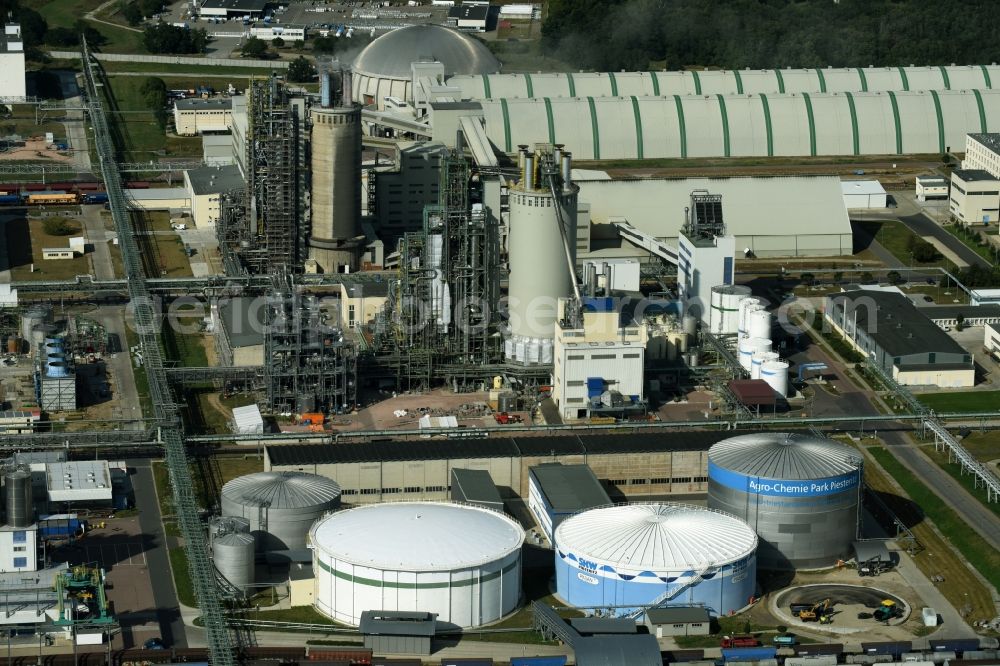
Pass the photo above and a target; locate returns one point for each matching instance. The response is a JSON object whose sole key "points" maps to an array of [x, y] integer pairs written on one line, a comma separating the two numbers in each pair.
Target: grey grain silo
{"points": [[20, 509]]}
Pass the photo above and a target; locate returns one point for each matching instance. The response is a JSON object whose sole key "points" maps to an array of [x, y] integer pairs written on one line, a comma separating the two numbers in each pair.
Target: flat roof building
{"points": [[194, 115], [469, 17], [239, 331], [232, 8], [205, 187], [398, 632], [557, 491], [947, 316], [78, 481], [975, 196], [982, 151], [12, 81], [863, 194], [929, 188], [890, 330]]}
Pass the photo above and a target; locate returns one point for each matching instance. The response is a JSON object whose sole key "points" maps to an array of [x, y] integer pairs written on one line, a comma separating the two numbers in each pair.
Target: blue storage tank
{"points": [[800, 493], [623, 558], [538, 661]]}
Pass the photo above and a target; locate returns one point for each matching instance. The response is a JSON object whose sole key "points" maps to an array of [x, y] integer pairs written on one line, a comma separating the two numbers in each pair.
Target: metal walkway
{"points": [[201, 569]]}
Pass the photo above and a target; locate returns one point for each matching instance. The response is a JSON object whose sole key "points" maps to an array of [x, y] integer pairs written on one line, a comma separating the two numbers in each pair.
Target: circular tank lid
{"points": [[418, 536], [786, 456], [242, 539], [732, 289], [282, 490], [656, 537], [391, 54]]}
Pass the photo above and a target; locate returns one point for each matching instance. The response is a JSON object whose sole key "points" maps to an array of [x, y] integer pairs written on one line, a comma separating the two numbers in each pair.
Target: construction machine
{"points": [[818, 612]]}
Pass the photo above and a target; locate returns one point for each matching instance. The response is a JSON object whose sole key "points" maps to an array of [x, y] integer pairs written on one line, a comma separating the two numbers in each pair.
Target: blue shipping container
{"points": [[95, 198], [954, 644], [748, 653], [10, 198], [538, 661]]}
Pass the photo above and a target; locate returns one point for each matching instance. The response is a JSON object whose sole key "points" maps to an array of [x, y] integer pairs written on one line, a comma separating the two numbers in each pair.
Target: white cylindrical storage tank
{"points": [[233, 554], [775, 373], [748, 347], [757, 359], [747, 304], [281, 506], [459, 561], [622, 558], [539, 271], [759, 324], [689, 324], [799, 492], [725, 308]]}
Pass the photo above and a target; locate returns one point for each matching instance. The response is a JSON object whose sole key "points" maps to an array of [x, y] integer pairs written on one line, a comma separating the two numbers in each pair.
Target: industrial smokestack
{"points": [[324, 88], [528, 174], [346, 93]]}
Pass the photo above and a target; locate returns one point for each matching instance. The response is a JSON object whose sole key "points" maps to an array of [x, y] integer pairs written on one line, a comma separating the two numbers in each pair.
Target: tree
{"points": [[298, 44], [277, 42], [60, 226], [838, 277], [895, 277], [132, 13], [301, 70], [33, 26], [62, 37], [253, 48], [959, 323], [150, 7], [166, 38], [328, 44], [154, 94], [867, 277], [808, 279]]}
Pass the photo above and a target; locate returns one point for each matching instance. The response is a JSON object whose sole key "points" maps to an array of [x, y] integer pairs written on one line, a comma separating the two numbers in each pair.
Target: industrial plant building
{"points": [[557, 491], [975, 196], [636, 465], [196, 116], [890, 330], [12, 80]]}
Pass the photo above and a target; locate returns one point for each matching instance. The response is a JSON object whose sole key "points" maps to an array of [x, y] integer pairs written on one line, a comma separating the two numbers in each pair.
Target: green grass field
{"points": [[186, 70], [64, 13], [988, 253], [964, 401], [967, 481], [895, 237], [182, 579], [972, 547], [25, 240]]}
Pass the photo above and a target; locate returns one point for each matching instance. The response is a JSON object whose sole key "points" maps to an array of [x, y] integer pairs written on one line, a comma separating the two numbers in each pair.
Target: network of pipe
{"points": [[546, 167]]}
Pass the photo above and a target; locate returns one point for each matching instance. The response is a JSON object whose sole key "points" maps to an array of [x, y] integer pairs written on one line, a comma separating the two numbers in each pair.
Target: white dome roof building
{"points": [[460, 561], [621, 559], [382, 69]]}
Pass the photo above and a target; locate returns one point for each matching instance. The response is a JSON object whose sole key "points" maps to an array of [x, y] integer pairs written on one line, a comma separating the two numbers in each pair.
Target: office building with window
{"points": [[18, 548], [975, 196]]}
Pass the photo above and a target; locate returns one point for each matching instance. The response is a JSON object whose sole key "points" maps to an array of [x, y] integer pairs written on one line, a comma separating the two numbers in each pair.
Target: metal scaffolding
{"points": [[261, 230], [217, 634], [308, 365], [440, 316]]}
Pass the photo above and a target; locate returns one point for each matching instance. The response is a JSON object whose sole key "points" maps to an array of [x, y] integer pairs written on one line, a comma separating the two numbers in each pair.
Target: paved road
{"points": [[922, 225], [98, 236], [76, 135], [971, 509], [165, 597], [952, 625]]}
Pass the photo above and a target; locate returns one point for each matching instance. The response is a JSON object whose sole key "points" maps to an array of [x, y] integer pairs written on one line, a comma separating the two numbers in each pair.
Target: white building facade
{"points": [[975, 196], [982, 151], [12, 62]]}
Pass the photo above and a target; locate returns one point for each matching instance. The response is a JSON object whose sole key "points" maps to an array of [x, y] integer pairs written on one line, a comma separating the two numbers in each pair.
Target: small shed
{"points": [[475, 486], [860, 194], [678, 621], [753, 392], [616, 649], [247, 420], [398, 632]]}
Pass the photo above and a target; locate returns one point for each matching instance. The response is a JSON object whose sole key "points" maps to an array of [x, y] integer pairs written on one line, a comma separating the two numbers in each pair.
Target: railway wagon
{"points": [[52, 198]]}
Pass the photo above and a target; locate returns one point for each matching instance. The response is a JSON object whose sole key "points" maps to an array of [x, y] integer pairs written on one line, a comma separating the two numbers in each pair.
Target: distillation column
{"points": [[335, 228], [543, 207]]}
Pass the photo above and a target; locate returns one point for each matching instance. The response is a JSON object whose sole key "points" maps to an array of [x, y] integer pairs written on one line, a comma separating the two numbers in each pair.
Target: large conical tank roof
{"points": [[656, 537], [281, 490], [391, 54], [782, 455]]}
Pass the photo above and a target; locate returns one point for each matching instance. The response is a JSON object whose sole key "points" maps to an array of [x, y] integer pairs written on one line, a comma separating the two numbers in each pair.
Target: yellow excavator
{"points": [[819, 612]]}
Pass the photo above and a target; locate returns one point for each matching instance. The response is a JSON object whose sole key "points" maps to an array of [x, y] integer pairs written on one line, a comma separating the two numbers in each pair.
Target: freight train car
{"points": [[52, 198]]}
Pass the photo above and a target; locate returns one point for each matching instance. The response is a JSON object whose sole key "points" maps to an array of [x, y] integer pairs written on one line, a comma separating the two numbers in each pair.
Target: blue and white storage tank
{"points": [[800, 493], [621, 559]]}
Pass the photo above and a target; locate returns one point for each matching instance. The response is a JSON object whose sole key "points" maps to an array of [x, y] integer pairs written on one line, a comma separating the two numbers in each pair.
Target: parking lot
{"points": [[988, 371]]}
